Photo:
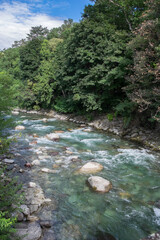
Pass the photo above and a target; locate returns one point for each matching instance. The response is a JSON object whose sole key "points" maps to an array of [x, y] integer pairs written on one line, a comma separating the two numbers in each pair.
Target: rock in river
{"points": [[90, 167], [52, 136], [19, 127], [28, 231], [99, 184]]}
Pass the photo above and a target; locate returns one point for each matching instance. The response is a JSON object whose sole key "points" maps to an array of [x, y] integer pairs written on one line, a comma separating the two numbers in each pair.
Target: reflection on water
{"points": [[127, 212]]}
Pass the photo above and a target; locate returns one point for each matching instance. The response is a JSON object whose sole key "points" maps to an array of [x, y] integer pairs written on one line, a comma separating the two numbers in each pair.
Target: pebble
{"points": [[8, 161]]}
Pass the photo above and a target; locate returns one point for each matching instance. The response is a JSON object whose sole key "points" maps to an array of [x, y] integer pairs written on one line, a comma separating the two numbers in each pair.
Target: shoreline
{"points": [[145, 137]]}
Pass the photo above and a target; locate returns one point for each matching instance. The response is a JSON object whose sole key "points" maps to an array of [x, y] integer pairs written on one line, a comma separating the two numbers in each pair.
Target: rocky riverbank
{"points": [[145, 137], [42, 228]]}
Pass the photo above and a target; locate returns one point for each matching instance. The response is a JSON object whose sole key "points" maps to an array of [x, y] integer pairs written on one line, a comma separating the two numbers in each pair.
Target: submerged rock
{"points": [[90, 167], [99, 184], [28, 231], [19, 127], [46, 170], [52, 136]]}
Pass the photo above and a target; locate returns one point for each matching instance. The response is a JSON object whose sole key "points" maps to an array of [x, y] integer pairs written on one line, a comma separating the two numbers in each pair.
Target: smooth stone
{"points": [[99, 184], [20, 217], [15, 112], [9, 161], [52, 136], [59, 131], [35, 135], [68, 152], [36, 163], [48, 200], [28, 231], [45, 120], [25, 210], [32, 185], [90, 167], [87, 130], [46, 170], [19, 127], [32, 218]]}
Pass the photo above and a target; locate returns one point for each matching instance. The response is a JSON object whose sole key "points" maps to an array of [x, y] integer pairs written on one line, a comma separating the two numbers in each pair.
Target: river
{"points": [[127, 212]]}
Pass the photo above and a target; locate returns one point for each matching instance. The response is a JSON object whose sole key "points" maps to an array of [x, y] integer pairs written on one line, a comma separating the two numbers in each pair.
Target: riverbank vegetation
{"points": [[107, 63], [9, 196]]}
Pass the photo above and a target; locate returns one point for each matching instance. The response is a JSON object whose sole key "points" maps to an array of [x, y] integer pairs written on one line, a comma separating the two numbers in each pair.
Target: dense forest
{"points": [[107, 63]]}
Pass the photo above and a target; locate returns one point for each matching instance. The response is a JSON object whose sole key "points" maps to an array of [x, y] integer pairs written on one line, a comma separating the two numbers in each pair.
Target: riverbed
{"points": [[127, 212]]}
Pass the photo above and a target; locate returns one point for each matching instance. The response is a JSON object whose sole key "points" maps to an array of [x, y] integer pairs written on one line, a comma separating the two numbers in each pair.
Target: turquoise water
{"points": [[127, 212]]}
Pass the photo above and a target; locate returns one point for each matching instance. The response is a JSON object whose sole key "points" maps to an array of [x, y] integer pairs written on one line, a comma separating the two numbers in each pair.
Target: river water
{"points": [[127, 212]]}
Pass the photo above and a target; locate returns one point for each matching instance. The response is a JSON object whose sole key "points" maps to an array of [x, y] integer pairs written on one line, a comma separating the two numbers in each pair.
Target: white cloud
{"points": [[16, 20]]}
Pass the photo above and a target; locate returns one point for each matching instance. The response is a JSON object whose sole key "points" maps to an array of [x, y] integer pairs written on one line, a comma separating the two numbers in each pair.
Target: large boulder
{"points": [[52, 136], [19, 127], [99, 184], [90, 167], [28, 231]]}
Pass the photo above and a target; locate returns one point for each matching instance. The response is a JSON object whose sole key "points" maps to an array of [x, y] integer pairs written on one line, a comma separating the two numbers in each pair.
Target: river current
{"points": [[127, 212]]}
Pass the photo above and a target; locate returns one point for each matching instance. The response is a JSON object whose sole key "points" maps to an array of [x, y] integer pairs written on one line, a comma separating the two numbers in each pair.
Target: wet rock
{"points": [[28, 231], [154, 236], [70, 232], [46, 224], [90, 167], [59, 131], [49, 235], [19, 127], [46, 170], [52, 136], [35, 135], [32, 185], [8, 161], [20, 216], [99, 184], [44, 120], [53, 153], [87, 130], [68, 152], [33, 142], [21, 170], [36, 163], [29, 165]]}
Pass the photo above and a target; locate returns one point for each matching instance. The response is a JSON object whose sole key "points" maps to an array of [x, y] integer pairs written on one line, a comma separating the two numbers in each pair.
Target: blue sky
{"points": [[18, 16]]}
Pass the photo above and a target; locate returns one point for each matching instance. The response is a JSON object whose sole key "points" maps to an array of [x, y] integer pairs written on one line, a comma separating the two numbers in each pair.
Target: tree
{"points": [[144, 81], [122, 13], [91, 65], [37, 32]]}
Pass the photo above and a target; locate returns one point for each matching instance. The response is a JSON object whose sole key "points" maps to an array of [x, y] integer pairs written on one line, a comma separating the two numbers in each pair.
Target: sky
{"points": [[18, 16]]}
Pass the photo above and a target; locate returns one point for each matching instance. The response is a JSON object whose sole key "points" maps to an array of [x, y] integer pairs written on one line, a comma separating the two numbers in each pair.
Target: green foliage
{"points": [[6, 226], [110, 116], [63, 105], [91, 64], [10, 200]]}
